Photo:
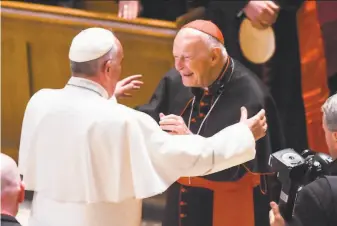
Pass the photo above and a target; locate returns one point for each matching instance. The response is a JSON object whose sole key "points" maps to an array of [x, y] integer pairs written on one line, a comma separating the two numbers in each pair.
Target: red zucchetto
{"points": [[207, 27]]}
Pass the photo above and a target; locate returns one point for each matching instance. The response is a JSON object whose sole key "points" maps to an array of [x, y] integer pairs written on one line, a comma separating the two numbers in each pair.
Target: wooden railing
{"points": [[34, 55]]}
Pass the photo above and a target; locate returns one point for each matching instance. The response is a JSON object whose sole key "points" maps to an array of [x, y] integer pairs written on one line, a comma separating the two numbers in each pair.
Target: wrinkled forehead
{"points": [[187, 41]]}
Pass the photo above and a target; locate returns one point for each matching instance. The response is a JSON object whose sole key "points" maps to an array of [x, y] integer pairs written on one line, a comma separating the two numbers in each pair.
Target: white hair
{"points": [[329, 110], [209, 40]]}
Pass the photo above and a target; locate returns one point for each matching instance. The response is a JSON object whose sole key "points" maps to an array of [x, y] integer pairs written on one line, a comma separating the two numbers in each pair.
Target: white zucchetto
{"points": [[91, 44]]}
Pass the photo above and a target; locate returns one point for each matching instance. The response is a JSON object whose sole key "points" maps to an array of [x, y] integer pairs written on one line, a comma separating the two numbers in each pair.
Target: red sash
{"points": [[233, 201]]}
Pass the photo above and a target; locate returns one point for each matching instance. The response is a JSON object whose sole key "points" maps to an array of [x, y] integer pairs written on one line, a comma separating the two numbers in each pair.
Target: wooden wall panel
{"points": [[15, 91], [134, 52]]}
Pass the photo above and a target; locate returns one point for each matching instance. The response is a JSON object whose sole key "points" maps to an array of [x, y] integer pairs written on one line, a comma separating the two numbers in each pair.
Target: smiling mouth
{"points": [[188, 75]]}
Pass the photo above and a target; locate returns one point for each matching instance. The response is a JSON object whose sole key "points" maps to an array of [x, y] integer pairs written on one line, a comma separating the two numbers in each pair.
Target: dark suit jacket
{"points": [[316, 204], [7, 220]]}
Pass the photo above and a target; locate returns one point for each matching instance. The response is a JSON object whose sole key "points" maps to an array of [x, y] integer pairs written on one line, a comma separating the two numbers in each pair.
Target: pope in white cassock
{"points": [[91, 160]]}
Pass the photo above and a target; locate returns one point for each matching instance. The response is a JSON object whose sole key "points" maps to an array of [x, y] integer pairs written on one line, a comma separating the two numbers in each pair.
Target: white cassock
{"points": [[91, 160]]}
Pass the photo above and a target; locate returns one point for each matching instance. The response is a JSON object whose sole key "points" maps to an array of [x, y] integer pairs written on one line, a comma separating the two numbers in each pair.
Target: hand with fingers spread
{"points": [[129, 9], [257, 124], [275, 217], [262, 14], [128, 84], [173, 124]]}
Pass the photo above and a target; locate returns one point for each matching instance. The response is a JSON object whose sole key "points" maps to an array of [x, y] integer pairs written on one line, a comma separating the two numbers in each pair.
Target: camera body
{"points": [[294, 171]]}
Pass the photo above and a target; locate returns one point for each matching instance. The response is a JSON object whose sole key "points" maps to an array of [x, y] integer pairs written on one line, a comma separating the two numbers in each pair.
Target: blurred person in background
{"points": [[12, 191]]}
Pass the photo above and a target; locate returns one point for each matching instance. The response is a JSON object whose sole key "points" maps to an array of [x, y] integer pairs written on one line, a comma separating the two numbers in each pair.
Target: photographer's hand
{"points": [[275, 217]]}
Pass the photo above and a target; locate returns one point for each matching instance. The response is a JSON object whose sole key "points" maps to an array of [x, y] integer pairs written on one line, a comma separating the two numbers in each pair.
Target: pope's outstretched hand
{"points": [[128, 84]]}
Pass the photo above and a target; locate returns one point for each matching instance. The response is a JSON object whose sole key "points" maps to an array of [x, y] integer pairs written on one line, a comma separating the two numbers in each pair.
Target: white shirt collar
{"points": [[89, 85]]}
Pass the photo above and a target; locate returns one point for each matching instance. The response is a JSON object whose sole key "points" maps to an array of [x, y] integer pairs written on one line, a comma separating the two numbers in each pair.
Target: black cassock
{"points": [[234, 89]]}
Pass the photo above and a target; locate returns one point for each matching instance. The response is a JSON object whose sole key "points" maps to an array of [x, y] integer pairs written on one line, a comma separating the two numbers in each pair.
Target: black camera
{"points": [[294, 171]]}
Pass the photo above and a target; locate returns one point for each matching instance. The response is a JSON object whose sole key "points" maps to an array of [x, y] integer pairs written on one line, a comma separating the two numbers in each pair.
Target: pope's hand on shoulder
{"points": [[128, 84], [173, 124]]}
